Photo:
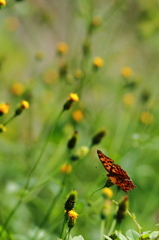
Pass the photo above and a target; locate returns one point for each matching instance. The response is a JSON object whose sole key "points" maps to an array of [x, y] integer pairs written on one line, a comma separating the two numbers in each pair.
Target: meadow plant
{"points": [[76, 75]]}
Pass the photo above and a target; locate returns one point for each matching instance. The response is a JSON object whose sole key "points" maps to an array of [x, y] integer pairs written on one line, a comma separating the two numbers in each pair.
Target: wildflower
{"points": [[73, 97], [77, 115], [2, 2], [39, 55], [66, 168], [72, 216], [72, 142], [51, 76], [98, 137], [4, 108], [71, 200], [97, 21], [146, 118], [107, 192], [17, 88], [126, 72], [63, 69], [78, 74], [62, 48], [86, 47], [106, 209], [24, 105], [12, 24], [2, 128], [128, 99], [98, 62], [145, 95], [122, 209]]}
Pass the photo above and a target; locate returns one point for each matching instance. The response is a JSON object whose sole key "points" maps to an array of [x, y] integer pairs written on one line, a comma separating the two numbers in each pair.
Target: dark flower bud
{"points": [[122, 209], [72, 142], [98, 137], [70, 202]]}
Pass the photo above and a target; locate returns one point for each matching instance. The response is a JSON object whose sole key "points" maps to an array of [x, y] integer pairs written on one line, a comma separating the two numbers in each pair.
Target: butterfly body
{"points": [[116, 174]]}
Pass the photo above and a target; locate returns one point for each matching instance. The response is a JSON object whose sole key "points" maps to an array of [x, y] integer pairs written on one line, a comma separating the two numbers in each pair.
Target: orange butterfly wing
{"points": [[116, 174]]}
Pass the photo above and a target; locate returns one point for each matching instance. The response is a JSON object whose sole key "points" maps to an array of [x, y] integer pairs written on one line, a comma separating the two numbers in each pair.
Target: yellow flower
{"points": [[2, 2], [40, 55], [4, 108], [78, 74], [128, 99], [24, 104], [51, 76], [126, 72], [72, 214], [108, 192], [17, 88], [12, 24], [77, 115], [2, 128], [147, 118], [66, 168], [98, 62], [62, 48], [97, 21], [74, 97]]}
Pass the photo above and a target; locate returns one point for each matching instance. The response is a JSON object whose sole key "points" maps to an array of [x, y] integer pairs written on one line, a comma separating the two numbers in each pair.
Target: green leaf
{"points": [[132, 235], [79, 238], [107, 237], [154, 234], [145, 236], [120, 236]]}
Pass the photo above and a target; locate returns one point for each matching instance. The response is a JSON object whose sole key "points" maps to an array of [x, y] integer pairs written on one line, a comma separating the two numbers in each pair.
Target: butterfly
{"points": [[116, 174]]}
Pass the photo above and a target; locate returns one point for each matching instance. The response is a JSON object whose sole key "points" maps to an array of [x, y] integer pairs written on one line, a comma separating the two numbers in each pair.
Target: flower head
{"points": [[62, 48], [128, 99], [146, 118], [71, 200], [107, 192], [97, 21], [73, 97], [126, 72], [17, 88], [72, 216], [25, 104], [4, 108], [2, 2], [66, 168], [2, 128], [77, 115], [122, 209], [98, 62], [98, 137], [72, 142]]}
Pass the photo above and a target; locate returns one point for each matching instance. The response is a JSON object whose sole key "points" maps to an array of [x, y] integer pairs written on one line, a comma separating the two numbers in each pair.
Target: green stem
{"points": [[102, 229], [30, 174], [63, 227], [69, 234], [112, 227], [134, 219], [9, 120]]}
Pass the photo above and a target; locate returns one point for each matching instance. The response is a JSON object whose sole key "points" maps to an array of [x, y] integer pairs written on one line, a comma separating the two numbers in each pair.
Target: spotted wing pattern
{"points": [[116, 174]]}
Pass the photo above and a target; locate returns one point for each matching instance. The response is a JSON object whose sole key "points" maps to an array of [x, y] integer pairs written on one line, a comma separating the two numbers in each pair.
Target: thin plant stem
{"points": [[63, 226], [9, 120], [134, 219], [112, 227], [29, 176], [102, 229]]}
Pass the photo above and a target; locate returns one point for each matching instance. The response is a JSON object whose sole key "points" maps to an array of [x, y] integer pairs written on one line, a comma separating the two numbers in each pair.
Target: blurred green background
{"points": [[121, 97]]}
